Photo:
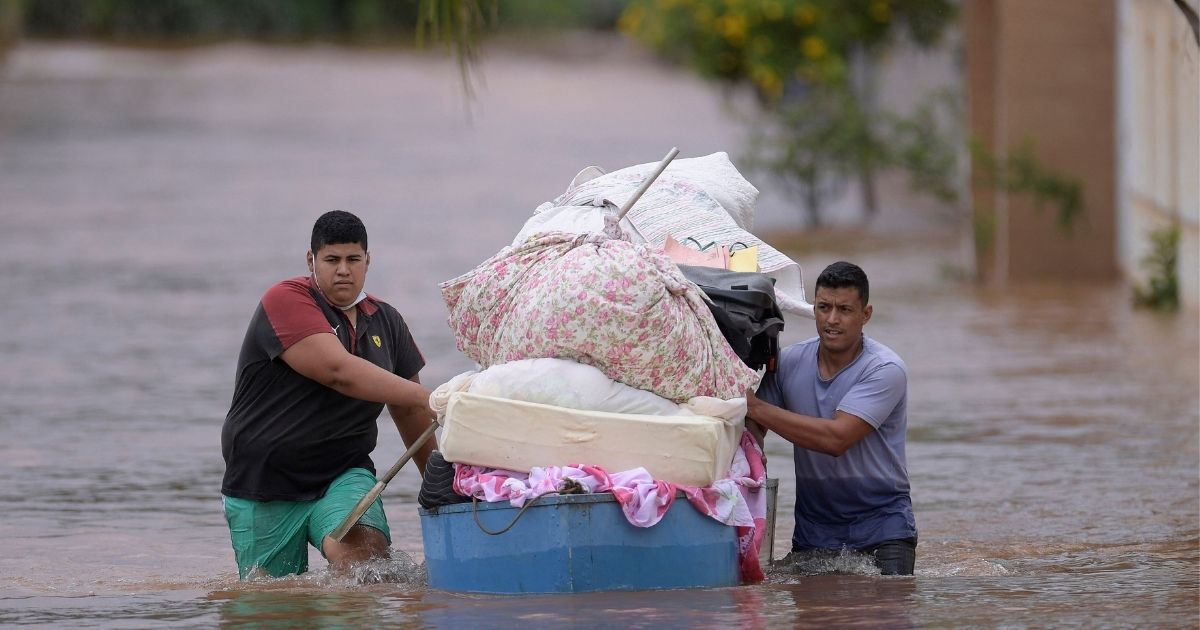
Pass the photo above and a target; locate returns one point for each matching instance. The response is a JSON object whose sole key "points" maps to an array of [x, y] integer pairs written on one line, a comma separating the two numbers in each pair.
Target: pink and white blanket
{"points": [[737, 500], [622, 307]]}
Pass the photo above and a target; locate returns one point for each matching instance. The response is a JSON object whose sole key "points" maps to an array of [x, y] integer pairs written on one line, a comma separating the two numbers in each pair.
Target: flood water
{"points": [[148, 198]]}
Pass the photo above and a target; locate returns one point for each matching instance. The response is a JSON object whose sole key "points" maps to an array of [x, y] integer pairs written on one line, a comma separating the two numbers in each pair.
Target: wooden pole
{"points": [[637, 194], [360, 509]]}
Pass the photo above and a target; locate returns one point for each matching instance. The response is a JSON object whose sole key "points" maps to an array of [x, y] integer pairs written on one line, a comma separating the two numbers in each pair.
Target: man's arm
{"points": [[832, 437], [411, 421], [322, 358]]}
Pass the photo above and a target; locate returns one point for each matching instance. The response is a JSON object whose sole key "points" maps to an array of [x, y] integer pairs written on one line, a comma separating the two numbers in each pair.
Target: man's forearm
{"points": [[803, 431], [831, 437], [411, 422]]}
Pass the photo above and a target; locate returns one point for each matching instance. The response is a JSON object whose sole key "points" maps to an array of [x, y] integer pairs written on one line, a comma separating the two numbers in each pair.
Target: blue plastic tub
{"points": [[572, 544]]}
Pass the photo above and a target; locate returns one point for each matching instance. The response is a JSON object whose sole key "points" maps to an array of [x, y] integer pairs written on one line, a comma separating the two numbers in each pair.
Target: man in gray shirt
{"points": [[840, 398]]}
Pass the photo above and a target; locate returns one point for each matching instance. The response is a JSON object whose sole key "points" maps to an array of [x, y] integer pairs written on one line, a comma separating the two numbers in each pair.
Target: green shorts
{"points": [[273, 536]]}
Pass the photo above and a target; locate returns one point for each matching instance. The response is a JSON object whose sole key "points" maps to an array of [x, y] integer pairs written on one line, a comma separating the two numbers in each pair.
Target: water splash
{"points": [[968, 567], [824, 561], [398, 568]]}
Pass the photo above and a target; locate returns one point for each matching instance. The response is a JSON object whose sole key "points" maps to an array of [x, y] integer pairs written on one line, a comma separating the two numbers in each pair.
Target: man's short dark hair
{"points": [[842, 274], [336, 227]]}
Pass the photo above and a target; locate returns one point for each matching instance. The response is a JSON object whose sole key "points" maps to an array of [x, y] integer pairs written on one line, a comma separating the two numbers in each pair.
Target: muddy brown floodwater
{"points": [[147, 198]]}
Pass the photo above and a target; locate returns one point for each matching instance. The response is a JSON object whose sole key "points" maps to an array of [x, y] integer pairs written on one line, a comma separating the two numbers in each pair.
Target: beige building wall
{"points": [[1159, 136], [1045, 72]]}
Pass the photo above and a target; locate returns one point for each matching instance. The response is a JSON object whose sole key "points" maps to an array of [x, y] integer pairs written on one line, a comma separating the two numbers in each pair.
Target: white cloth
{"points": [[704, 198], [573, 385]]}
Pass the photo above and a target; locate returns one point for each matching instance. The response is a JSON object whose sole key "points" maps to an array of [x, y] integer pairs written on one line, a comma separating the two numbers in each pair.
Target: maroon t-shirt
{"points": [[287, 437]]}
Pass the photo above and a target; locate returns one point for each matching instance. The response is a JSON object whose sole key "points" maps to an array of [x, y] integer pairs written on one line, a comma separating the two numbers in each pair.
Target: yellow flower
{"points": [[814, 47], [767, 81], [631, 20], [805, 15], [732, 28], [880, 11], [775, 88]]}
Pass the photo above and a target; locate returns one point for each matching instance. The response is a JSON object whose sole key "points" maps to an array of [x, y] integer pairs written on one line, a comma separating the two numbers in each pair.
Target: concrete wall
{"points": [[1159, 136], [1045, 72]]}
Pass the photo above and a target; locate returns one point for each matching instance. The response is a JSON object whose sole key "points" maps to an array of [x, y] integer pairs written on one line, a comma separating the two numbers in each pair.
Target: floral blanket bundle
{"points": [[619, 306]]}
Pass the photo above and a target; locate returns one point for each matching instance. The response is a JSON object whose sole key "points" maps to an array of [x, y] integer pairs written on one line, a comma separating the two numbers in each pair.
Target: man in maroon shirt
{"points": [[320, 360]]}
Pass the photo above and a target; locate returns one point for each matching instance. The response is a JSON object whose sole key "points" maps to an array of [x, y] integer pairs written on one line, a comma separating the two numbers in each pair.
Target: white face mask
{"points": [[362, 295]]}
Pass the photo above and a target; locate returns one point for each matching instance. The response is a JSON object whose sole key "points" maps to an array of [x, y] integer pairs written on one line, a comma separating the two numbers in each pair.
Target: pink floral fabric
{"points": [[738, 500], [621, 307]]}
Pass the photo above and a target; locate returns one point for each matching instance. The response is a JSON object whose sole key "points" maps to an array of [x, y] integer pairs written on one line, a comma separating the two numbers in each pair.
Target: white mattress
{"points": [[517, 435]]}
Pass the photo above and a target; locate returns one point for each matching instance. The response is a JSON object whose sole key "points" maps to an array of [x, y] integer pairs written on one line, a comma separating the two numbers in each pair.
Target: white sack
{"points": [[705, 198]]}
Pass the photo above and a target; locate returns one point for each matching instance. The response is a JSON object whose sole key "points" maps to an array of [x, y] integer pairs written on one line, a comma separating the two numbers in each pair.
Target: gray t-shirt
{"points": [[861, 498]]}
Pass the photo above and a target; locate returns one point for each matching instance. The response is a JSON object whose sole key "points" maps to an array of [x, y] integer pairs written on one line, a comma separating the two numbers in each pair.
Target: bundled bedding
{"points": [[599, 362]]}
